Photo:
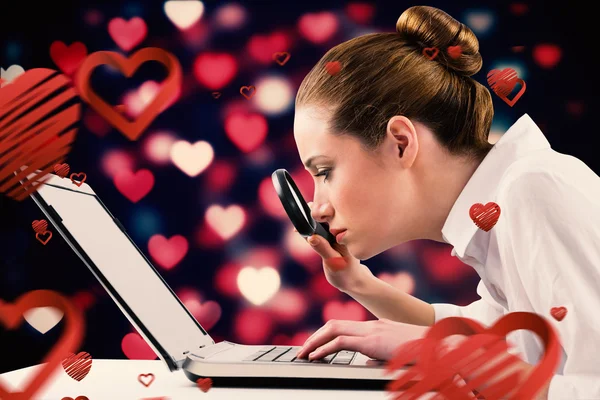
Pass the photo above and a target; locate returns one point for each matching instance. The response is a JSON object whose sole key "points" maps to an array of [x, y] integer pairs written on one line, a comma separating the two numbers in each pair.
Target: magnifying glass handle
{"points": [[320, 230]]}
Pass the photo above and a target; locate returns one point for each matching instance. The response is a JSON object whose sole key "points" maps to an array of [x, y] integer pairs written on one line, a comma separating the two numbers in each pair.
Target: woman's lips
{"points": [[340, 236]]}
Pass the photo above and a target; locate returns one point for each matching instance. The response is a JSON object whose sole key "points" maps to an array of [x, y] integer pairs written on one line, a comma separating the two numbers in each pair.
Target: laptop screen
{"points": [[133, 278]]}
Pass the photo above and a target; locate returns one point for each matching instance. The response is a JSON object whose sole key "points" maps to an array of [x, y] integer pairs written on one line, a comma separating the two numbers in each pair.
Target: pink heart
{"points": [[167, 252], [246, 131], [318, 27], [288, 305], [361, 13], [220, 176], [215, 70], [252, 325], [226, 222], [127, 34], [262, 47], [135, 348], [137, 100], [547, 55], [444, 268], [207, 313], [350, 310], [402, 280], [134, 186], [297, 340]]}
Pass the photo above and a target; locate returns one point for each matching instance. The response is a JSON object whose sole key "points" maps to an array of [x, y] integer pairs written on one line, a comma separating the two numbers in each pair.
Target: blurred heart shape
{"points": [[350, 310], [318, 27], [135, 348], [402, 280], [134, 186], [8, 75], [207, 313], [360, 12], [214, 70], [226, 222], [77, 366], [184, 14], [42, 319], [264, 47], [136, 101], [127, 34], [258, 285], [479, 21], [246, 130], [168, 252], [192, 159], [547, 55], [68, 58]]}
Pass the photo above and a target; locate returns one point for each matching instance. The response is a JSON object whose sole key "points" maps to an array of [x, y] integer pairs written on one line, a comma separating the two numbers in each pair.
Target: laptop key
{"points": [[273, 354]]}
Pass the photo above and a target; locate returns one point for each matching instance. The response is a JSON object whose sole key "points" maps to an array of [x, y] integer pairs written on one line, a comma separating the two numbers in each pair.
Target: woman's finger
{"points": [[343, 342], [332, 330]]}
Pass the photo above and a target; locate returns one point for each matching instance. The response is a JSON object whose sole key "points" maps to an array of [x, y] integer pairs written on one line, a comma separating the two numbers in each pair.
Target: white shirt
{"points": [[543, 252]]}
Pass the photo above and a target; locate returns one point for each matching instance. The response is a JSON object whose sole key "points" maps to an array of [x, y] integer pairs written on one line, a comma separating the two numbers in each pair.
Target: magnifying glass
{"points": [[296, 207]]}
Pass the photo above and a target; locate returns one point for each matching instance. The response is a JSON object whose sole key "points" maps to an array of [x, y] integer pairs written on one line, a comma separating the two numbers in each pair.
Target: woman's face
{"points": [[369, 195]]}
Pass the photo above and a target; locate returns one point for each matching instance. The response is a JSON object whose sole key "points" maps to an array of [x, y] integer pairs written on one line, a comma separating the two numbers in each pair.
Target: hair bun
{"points": [[432, 27]]}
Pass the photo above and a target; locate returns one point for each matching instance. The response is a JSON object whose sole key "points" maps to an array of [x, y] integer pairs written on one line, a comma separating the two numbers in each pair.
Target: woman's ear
{"points": [[404, 137]]}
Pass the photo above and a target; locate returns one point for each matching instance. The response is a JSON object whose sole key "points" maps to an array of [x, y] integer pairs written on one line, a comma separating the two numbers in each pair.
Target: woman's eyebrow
{"points": [[309, 162]]}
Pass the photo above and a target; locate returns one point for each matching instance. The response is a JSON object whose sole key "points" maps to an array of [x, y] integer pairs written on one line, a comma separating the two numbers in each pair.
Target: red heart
{"points": [[246, 131], [361, 13], [350, 310], [333, 67], [503, 82], [143, 378], [547, 55], [134, 186], [262, 47], [68, 58], [31, 100], [135, 348], [207, 313], [518, 8], [278, 57], [244, 88], [443, 268], [167, 252], [11, 315], [170, 87], [558, 312], [204, 384], [79, 178], [215, 70], [62, 169], [78, 366], [485, 217], [454, 51], [78, 398], [318, 27], [39, 225], [426, 350], [431, 52], [127, 34], [39, 235]]}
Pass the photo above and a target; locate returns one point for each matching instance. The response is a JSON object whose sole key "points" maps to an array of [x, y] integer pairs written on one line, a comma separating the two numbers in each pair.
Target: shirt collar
{"points": [[523, 137]]}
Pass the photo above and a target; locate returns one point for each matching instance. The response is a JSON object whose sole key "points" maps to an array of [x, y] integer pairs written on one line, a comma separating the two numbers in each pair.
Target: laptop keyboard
{"points": [[287, 354]]}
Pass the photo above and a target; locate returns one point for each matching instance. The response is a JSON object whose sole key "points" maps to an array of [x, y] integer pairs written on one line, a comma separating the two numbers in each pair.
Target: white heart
{"points": [[10, 74], [258, 285], [226, 222], [192, 158], [42, 319], [184, 13]]}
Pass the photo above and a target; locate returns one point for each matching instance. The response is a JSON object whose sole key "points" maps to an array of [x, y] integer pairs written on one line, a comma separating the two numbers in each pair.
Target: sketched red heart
{"points": [[11, 316], [77, 366], [503, 82], [39, 226], [558, 312], [425, 352], [62, 169], [485, 217]]}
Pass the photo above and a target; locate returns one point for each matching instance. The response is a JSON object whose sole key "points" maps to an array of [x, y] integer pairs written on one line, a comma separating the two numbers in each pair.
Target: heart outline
{"points": [[427, 50], [169, 87], [505, 85], [248, 88], [11, 315], [38, 234], [282, 53], [145, 375]]}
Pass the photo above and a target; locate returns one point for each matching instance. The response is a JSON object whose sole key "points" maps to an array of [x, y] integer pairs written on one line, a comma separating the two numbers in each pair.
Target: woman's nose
{"points": [[316, 212]]}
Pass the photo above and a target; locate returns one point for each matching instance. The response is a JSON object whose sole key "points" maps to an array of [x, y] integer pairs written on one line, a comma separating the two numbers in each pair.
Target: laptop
{"points": [[138, 289]]}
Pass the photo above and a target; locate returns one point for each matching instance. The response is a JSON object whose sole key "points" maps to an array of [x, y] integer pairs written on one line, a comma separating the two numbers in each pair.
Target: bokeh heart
{"points": [[258, 285], [264, 47], [226, 222], [318, 27], [246, 131], [485, 217], [12, 316], [184, 14], [10, 74], [215, 70], [167, 252], [350, 310], [127, 34], [170, 87], [192, 158], [68, 58], [134, 185], [54, 118], [135, 348]]}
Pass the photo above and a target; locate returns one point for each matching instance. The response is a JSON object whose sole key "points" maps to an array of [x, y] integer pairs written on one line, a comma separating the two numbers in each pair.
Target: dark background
{"points": [[26, 265]]}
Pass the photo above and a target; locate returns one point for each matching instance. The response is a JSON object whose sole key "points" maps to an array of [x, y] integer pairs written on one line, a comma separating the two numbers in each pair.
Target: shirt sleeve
{"points": [[554, 236], [485, 310]]}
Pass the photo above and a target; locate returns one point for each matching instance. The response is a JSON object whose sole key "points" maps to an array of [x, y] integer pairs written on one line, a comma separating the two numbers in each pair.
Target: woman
{"points": [[403, 153]]}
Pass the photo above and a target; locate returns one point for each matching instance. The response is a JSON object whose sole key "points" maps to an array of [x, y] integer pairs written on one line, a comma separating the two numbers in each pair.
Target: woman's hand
{"points": [[341, 269], [376, 339]]}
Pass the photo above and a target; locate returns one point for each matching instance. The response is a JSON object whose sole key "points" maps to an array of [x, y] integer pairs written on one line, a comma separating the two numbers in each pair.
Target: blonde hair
{"points": [[387, 74]]}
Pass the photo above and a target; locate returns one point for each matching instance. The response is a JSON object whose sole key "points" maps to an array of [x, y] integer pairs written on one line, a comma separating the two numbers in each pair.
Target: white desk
{"points": [[118, 380]]}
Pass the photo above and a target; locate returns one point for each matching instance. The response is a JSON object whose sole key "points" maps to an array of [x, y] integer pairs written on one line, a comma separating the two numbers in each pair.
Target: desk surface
{"points": [[118, 379]]}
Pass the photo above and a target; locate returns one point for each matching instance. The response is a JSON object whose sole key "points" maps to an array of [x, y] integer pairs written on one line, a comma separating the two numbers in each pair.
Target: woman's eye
{"points": [[324, 172]]}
